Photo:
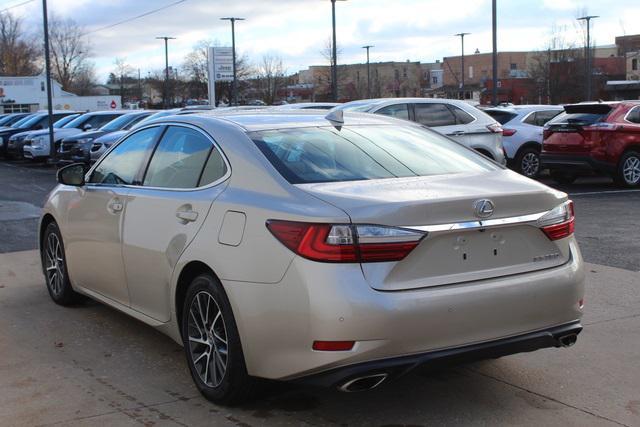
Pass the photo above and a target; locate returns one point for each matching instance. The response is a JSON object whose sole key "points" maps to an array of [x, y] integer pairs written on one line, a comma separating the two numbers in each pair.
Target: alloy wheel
{"points": [[208, 340], [54, 264], [631, 170], [530, 164]]}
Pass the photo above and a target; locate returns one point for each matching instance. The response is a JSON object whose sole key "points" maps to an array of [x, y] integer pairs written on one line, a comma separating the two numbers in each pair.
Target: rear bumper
{"points": [[398, 366], [575, 163]]}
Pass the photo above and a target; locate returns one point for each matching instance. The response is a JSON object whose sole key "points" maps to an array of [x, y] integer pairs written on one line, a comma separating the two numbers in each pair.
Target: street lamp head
{"points": [[461, 34], [368, 46], [232, 18], [587, 18], [165, 38]]}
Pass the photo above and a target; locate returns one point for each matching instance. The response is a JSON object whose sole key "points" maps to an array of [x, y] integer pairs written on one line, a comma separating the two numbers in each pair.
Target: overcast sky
{"points": [[297, 30]]}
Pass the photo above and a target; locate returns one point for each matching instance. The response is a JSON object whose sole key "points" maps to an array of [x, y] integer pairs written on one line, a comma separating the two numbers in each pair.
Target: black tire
{"points": [[528, 162], [54, 266], [627, 174], [562, 177], [235, 386]]}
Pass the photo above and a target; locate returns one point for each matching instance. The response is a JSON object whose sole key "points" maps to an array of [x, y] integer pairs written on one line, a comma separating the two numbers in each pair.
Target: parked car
{"points": [[101, 144], [339, 251], [600, 138], [9, 119], [39, 148], [19, 140], [456, 119], [35, 121], [308, 106], [77, 148], [522, 134]]}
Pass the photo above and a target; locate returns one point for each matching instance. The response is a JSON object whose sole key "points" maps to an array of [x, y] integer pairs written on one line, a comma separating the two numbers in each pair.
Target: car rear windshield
{"points": [[577, 118], [502, 117], [326, 154]]}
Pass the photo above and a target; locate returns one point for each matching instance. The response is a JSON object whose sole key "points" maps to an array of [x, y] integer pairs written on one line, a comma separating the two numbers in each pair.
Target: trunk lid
{"points": [[447, 256], [577, 129]]}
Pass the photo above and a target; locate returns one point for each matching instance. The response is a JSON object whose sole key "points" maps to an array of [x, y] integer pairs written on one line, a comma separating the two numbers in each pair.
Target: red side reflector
{"points": [[333, 345]]}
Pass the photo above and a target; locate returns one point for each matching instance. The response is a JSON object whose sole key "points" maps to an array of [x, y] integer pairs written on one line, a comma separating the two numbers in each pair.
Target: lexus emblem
{"points": [[483, 208]]}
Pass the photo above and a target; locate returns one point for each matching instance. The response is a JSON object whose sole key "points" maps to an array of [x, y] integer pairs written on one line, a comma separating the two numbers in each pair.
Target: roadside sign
{"points": [[220, 68]]}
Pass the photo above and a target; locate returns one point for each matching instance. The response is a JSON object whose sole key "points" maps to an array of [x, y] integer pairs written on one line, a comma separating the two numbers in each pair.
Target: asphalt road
{"points": [[91, 365]]}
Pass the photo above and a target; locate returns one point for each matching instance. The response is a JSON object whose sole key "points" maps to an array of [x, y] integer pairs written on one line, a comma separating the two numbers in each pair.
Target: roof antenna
{"points": [[336, 117]]}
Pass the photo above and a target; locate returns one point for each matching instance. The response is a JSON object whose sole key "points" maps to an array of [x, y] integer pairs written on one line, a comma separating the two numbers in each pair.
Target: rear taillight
{"points": [[508, 132], [559, 222], [495, 127], [344, 242]]}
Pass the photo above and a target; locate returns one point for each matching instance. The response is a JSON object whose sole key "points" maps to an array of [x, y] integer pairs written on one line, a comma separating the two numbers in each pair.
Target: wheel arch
{"points": [[529, 144], [44, 223], [189, 272]]}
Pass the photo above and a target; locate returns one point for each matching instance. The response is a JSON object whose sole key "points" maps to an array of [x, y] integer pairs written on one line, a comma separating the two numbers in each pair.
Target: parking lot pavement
{"points": [[91, 365]]}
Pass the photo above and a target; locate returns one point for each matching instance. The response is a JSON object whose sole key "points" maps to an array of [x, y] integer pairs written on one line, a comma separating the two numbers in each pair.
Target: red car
{"points": [[601, 138]]}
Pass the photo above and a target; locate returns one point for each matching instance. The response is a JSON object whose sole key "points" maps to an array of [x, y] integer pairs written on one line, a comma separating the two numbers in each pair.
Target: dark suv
{"points": [[601, 138]]}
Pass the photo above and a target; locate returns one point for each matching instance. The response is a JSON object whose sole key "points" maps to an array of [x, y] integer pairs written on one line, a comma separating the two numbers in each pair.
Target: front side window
{"points": [[399, 111], [433, 115], [179, 160], [312, 155], [123, 164]]}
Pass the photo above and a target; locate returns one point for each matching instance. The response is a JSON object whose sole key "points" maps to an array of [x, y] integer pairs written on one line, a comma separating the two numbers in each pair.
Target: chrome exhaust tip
{"points": [[568, 340], [367, 382]]}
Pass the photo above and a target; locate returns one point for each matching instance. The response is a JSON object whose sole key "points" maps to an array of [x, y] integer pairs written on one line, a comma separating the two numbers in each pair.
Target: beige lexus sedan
{"points": [[340, 250]]}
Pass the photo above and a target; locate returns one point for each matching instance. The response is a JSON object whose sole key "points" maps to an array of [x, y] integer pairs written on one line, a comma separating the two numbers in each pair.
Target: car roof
{"points": [[380, 101], [259, 120], [516, 109]]}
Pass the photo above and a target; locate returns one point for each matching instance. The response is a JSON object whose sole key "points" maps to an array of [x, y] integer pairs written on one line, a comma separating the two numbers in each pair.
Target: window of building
{"points": [[634, 64], [513, 66], [434, 80], [404, 72], [357, 75], [396, 74], [470, 71]]}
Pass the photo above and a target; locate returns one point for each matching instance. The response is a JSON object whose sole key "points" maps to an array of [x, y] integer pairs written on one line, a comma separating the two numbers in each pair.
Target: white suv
{"points": [[456, 119]]}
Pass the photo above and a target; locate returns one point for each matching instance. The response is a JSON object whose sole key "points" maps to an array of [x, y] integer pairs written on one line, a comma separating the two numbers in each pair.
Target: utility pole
{"points": [[47, 65], [461, 35], [334, 54], [588, 53], [139, 89], [494, 19], [234, 84], [165, 95], [368, 71]]}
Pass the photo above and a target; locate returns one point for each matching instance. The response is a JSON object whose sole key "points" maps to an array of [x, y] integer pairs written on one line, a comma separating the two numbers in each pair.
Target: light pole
{"points": [[334, 54], [165, 95], [368, 70], [494, 19], [461, 35], [47, 65], [588, 52], [234, 84]]}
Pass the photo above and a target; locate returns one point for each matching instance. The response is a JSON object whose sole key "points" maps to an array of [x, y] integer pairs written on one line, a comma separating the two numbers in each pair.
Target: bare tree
{"points": [[19, 53], [70, 51], [270, 75]]}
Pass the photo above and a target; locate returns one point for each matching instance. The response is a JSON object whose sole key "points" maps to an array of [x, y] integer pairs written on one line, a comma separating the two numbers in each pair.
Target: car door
{"points": [[440, 118], [184, 176], [93, 237]]}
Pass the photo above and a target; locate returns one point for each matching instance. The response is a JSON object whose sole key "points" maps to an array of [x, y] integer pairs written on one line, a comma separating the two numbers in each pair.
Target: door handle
{"points": [[115, 205], [187, 216], [457, 133]]}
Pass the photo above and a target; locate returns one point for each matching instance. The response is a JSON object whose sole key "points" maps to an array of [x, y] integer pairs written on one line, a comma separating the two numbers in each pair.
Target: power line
{"points": [[16, 5], [124, 21]]}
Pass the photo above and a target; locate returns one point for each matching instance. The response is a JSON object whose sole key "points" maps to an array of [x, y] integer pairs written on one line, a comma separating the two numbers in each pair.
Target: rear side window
{"points": [[434, 115], [462, 117], [364, 152], [179, 159], [540, 118], [122, 165], [399, 111], [634, 115], [502, 117]]}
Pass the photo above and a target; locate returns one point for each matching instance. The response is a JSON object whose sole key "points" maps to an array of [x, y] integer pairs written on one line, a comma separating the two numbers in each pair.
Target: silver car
{"points": [[339, 251], [456, 119], [522, 134]]}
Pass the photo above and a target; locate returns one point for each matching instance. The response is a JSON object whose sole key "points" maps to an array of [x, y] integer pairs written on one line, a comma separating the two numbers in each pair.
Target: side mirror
{"points": [[87, 127], [71, 175]]}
